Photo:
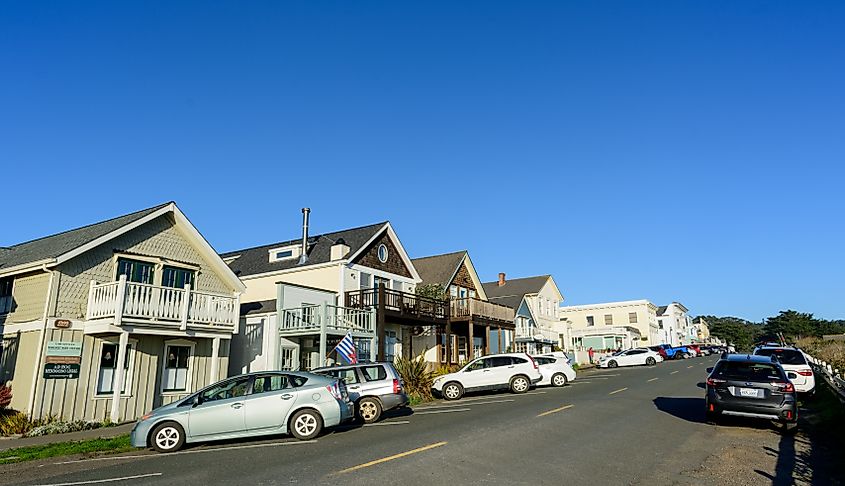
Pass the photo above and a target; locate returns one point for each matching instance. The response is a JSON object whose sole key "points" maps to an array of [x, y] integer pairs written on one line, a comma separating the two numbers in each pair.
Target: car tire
{"points": [[167, 437], [306, 424], [453, 391], [519, 384], [650, 361], [612, 364], [559, 379], [369, 410]]}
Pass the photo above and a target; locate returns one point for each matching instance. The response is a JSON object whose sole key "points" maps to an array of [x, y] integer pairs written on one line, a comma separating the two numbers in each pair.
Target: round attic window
{"points": [[382, 253]]}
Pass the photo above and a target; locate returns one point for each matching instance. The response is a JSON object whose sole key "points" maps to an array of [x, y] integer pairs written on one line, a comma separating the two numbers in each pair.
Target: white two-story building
{"points": [[612, 325]]}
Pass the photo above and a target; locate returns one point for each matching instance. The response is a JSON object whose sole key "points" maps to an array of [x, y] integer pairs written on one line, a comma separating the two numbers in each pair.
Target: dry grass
{"points": [[832, 352]]}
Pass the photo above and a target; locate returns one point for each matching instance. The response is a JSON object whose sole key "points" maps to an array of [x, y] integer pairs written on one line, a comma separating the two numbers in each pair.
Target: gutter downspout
{"points": [[31, 405]]}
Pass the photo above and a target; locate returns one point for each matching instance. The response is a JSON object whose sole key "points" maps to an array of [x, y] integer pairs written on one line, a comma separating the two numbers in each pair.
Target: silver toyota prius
{"points": [[263, 403]]}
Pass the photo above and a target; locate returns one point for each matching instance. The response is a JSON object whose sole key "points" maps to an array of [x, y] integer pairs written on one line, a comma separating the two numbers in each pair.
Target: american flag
{"points": [[346, 349]]}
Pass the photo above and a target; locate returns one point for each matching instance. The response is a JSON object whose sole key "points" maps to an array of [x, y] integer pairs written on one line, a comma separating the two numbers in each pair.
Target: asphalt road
{"points": [[642, 425]]}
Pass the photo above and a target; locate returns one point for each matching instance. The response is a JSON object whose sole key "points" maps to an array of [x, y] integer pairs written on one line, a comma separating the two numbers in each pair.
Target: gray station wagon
{"points": [[372, 387], [263, 403]]}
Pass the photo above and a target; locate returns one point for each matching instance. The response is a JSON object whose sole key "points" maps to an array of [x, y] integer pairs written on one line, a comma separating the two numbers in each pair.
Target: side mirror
{"points": [[197, 401], [710, 370]]}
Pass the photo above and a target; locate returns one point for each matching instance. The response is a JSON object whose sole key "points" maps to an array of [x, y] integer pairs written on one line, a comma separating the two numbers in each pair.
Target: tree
{"points": [[433, 291], [793, 324], [734, 330]]}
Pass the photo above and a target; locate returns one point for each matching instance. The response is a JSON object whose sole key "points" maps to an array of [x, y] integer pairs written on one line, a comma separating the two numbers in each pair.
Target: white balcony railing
{"points": [[338, 320], [180, 307]]}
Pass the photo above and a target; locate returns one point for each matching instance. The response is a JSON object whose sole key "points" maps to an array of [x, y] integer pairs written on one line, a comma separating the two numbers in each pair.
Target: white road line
{"points": [[110, 480], [400, 422], [604, 375], [196, 451], [653, 379], [672, 373], [614, 392], [690, 366], [444, 411], [434, 407]]}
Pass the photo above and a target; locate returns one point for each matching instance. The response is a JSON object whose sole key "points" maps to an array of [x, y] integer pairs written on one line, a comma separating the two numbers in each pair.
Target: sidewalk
{"points": [[103, 433]]}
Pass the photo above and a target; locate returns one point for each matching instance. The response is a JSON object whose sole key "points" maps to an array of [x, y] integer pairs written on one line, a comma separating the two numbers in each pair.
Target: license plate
{"points": [[748, 392]]}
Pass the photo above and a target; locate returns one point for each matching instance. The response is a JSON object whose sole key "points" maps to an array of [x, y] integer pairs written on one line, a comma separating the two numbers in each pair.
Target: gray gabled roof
{"points": [[439, 269], [514, 290], [50, 247], [254, 261]]}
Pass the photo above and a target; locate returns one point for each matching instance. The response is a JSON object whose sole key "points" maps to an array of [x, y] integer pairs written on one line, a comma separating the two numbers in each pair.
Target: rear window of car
{"points": [[785, 356], [738, 370], [374, 373]]}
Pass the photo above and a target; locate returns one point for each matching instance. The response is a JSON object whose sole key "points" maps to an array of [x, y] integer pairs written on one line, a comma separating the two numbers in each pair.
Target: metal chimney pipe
{"points": [[303, 258]]}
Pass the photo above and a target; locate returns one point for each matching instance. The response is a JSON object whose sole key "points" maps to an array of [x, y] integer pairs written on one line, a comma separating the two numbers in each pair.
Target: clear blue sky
{"points": [[689, 151]]}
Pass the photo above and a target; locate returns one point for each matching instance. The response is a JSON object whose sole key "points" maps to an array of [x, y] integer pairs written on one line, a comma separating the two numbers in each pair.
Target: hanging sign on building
{"points": [[62, 359]]}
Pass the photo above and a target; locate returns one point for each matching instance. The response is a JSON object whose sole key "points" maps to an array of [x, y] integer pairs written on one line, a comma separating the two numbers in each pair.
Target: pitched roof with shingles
{"points": [[53, 246], [254, 261], [514, 290], [439, 269]]}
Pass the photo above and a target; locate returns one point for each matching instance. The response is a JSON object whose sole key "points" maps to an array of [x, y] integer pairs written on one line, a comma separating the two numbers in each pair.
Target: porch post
{"points": [[121, 301], [117, 384], [374, 342], [499, 337], [215, 360], [487, 340], [186, 302], [470, 343], [380, 334], [449, 342], [323, 319]]}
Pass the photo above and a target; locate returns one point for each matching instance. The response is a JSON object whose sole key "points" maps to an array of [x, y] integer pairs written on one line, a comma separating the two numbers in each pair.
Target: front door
{"points": [[221, 409], [269, 403]]}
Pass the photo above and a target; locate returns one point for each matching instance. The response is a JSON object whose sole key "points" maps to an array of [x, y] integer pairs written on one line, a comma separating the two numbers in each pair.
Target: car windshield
{"points": [[738, 370], [785, 356]]}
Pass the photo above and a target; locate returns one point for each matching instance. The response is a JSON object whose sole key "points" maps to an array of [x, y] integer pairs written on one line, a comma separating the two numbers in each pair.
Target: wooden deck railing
{"points": [[401, 302], [471, 306]]}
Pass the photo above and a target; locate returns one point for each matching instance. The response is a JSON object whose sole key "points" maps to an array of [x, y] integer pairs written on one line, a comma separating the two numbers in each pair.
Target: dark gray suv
{"points": [[372, 387]]}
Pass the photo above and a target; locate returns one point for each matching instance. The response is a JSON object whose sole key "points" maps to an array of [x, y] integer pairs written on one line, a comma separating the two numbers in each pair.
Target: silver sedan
{"points": [[255, 404]]}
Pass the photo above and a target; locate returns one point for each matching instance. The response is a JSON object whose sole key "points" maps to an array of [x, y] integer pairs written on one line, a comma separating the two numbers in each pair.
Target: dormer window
{"points": [[285, 253]]}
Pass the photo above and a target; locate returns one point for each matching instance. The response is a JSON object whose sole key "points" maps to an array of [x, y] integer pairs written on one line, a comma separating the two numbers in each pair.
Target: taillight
{"points": [[534, 363], [787, 387], [334, 389], [396, 387], [807, 372], [714, 381]]}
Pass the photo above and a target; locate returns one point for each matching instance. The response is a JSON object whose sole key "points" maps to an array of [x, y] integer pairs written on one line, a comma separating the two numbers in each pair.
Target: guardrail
{"points": [[834, 379]]}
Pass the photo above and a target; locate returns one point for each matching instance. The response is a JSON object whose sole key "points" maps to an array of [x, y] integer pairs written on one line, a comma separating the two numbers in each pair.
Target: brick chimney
{"points": [[501, 278]]}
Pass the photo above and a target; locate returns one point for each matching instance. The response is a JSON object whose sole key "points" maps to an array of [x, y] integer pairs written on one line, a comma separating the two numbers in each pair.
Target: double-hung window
{"points": [[590, 321], [136, 271], [608, 319], [632, 317], [108, 369], [176, 277], [176, 368]]}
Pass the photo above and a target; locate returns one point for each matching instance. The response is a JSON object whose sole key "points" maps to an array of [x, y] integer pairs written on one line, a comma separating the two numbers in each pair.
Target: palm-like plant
{"points": [[416, 376]]}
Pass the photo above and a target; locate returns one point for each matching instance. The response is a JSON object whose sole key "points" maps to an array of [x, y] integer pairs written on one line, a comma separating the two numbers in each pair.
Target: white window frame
{"points": [[132, 346], [295, 252], [178, 342], [386, 252], [158, 266]]}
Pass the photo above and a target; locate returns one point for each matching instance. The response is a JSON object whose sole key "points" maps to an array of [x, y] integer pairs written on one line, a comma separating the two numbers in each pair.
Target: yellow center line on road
{"points": [[555, 410], [690, 366], [614, 392], [672, 373], [390, 458], [653, 379]]}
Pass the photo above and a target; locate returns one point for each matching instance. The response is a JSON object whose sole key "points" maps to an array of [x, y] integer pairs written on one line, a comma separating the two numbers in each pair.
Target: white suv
{"points": [[514, 371], [794, 362]]}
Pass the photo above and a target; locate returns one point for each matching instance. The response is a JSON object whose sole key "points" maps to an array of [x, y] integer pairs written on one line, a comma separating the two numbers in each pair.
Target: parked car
{"points": [[556, 371], [254, 404], [631, 357], [373, 388], [674, 352], [694, 350], [794, 361], [516, 372], [750, 386]]}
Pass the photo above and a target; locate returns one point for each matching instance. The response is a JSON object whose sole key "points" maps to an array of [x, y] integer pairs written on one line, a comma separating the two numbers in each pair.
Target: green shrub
{"points": [[18, 423], [416, 377]]}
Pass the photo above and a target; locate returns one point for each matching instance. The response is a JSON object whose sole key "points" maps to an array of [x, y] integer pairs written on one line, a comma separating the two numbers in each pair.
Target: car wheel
{"points": [[369, 410], [612, 364], [650, 361], [306, 424], [453, 391], [167, 437], [519, 384], [559, 379]]}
